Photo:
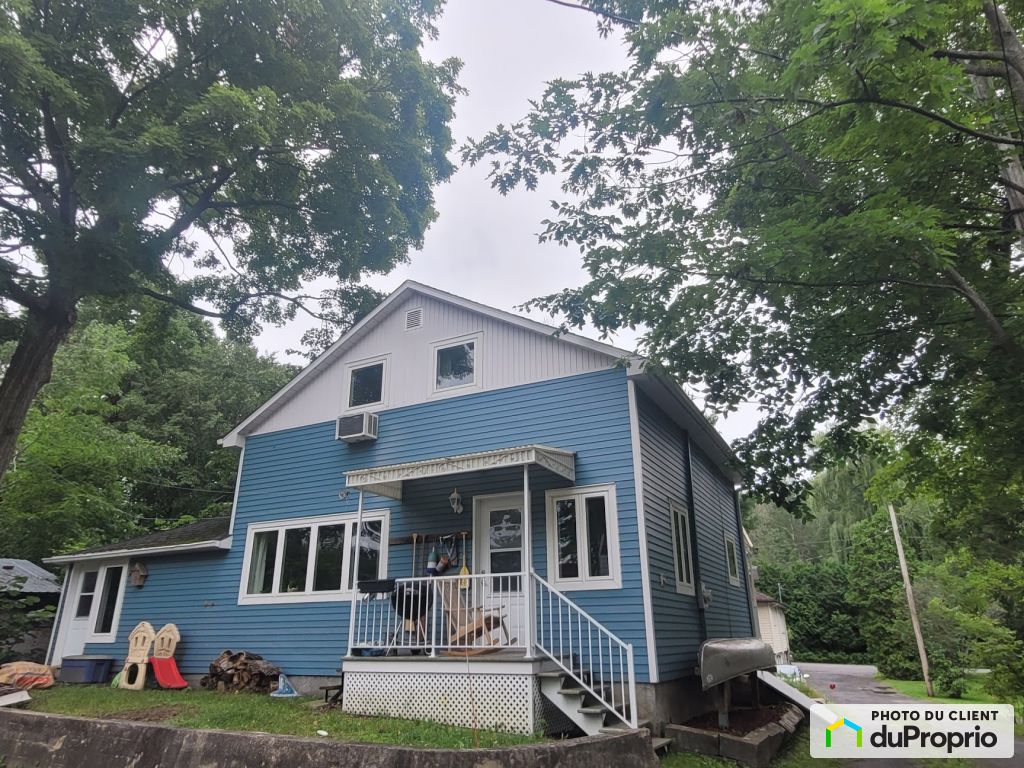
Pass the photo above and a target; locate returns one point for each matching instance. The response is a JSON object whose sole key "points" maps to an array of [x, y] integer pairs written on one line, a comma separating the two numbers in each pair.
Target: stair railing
{"points": [[586, 650]]}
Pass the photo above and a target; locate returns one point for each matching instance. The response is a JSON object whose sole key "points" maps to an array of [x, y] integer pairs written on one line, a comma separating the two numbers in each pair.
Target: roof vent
{"points": [[414, 319]]}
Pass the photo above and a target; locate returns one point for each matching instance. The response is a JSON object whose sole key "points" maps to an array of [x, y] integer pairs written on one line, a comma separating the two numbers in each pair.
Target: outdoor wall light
{"points": [[456, 501]]}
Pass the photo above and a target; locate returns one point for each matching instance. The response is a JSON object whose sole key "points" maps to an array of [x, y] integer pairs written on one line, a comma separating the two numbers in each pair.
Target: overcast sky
{"points": [[484, 246]]}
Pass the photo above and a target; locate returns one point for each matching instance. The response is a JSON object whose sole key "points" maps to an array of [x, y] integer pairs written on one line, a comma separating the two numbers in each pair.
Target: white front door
{"points": [[498, 550], [92, 607]]}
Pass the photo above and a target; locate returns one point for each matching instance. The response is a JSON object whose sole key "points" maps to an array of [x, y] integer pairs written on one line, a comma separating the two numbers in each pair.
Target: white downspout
{"points": [[527, 585], [355, 576]]}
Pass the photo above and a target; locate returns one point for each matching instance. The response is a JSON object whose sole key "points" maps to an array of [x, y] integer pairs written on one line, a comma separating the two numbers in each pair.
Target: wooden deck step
{"points": [[596, 709]]}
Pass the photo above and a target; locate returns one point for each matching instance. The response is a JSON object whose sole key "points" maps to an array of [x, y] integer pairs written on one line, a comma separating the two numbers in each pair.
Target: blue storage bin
{"points": [[86, 669]]}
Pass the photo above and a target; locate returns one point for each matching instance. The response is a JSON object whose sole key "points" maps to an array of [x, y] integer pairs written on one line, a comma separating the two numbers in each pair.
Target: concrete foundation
{"points": [[675, 701]]}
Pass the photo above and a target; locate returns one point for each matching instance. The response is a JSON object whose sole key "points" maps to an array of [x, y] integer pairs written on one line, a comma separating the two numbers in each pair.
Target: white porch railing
{"points": [[482, 613], [581, 646], [468, 614]]}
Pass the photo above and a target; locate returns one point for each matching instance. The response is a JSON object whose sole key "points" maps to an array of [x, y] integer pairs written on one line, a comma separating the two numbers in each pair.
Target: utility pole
{"points": [[910, 601]]}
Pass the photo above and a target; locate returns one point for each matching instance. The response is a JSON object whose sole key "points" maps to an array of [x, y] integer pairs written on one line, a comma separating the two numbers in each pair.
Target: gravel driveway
{"points": [[856, 684]]}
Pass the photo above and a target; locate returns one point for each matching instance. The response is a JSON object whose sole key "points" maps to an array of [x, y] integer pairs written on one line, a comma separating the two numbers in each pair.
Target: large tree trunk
{"points": [[29, 369]]}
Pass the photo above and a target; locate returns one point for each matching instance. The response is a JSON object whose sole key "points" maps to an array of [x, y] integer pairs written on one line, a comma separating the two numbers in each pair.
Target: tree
{"points": [[70, 485], [813, 206], [124, 437], [138, 138]]}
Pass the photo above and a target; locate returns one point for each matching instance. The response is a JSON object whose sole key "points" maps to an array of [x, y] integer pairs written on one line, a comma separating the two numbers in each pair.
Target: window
{"points": [[456, 364], [731, 560], [682, 548], [112, 578], [85, 594], [366, 384], [583, 538], [304, 560]]}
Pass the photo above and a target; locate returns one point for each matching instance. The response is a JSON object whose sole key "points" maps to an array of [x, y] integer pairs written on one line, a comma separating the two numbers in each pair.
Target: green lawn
{"points": [[252, 712], [796, 754], [975, 693]]}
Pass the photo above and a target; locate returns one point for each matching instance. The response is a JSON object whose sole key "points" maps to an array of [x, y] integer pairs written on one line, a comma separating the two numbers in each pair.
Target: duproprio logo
{"points": [[838, 724]]}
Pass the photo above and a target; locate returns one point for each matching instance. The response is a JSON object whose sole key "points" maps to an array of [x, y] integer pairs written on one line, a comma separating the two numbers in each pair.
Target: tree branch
{"points": [[823, 106], [597, 12]]}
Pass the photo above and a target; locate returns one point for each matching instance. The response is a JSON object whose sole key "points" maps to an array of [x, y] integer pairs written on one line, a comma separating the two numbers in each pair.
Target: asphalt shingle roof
{"points": [[212, 529], [37, 580]]}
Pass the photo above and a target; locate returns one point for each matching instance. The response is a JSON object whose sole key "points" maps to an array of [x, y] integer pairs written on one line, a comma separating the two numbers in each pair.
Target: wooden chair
{"points": [[133, 676], [470, 628]]}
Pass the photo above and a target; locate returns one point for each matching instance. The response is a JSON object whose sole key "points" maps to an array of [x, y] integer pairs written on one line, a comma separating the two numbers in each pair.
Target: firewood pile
{"points": [[242, 671]]}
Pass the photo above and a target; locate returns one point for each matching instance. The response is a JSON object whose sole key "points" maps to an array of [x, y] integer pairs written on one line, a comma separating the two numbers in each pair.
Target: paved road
{"points": [[856, 684]]}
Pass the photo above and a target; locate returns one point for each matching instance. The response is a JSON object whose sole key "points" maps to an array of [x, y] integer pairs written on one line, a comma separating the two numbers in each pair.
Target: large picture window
{"points": [[583, 538], [682, 547], [306, 560], [456, 364]]}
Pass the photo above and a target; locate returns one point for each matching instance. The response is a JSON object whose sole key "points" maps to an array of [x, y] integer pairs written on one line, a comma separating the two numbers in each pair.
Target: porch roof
{"points": [[387, 480]]}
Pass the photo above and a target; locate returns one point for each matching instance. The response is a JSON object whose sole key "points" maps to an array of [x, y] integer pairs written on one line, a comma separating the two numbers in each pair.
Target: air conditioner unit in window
{"points": [[356, 428]]}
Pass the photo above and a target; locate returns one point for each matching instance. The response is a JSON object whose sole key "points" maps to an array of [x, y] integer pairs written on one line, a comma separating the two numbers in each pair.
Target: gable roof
{"points": [[37, 580], [204, 535], [383, 310]]}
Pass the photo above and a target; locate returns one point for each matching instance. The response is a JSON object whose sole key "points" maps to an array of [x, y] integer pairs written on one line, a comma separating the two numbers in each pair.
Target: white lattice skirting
{"points": [[497, 702]]}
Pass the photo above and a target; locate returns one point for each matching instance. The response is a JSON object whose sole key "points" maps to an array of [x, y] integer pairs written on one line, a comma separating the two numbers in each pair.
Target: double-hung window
{"points": [[583, 538], [732, 562], [682, 548], [312, 559]]}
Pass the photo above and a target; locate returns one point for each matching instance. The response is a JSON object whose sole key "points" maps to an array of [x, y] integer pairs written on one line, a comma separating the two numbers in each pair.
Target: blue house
{"points": [[470, 517]]}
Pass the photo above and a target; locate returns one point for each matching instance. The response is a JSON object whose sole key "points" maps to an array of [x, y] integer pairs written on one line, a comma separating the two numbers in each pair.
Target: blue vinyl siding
{"points": [[729, 612], [299, 473], [677, 623]]}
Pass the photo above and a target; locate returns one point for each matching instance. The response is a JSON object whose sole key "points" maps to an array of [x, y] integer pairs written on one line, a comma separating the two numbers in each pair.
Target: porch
{"points": [[495, 645]]}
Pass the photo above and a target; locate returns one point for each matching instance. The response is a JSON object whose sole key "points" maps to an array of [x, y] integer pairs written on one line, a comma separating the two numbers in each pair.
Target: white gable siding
{"points": [[507, 356]]}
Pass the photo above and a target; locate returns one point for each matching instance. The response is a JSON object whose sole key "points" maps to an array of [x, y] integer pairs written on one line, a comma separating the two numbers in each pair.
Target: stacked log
{"points": [[241, 671]]}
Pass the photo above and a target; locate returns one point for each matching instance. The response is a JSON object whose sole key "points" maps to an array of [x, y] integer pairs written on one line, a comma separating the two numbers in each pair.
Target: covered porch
{"points": [[474, 643]]}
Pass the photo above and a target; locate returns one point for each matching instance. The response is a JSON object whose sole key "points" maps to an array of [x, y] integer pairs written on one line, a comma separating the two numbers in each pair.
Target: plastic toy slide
{"points": [[166, 673]]}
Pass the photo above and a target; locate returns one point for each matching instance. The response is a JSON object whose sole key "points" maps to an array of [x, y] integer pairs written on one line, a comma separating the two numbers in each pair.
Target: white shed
{"points": [[771, 616]]}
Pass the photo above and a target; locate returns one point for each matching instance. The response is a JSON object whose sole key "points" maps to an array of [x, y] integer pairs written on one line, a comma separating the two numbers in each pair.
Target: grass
{"points": [[796, 754], [252, 712], [975, 694]]}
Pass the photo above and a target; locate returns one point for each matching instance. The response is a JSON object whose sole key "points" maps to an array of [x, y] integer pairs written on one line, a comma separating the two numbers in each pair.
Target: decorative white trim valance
{"points": [[387, 480]]}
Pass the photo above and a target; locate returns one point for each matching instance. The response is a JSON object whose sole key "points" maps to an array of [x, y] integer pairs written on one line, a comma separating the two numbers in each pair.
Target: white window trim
{"points": [[309, 596], [584, 582], [384, 385], [730, 539], [477, 339], [97, 600], [678, 511]]}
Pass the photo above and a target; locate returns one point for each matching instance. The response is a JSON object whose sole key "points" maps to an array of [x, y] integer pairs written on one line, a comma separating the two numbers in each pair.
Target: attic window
{"points": [[456, 364], [414, 319]]}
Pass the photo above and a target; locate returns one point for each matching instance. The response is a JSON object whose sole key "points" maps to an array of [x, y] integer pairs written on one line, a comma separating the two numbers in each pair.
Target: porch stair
{"points": [[591, 677], [588, 713]]}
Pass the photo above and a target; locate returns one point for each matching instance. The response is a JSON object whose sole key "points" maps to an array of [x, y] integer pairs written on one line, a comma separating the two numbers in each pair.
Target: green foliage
{"points": [[217, 155], [125, 434], [18, 615], [68, 485], [801, 203], [823, 625]]}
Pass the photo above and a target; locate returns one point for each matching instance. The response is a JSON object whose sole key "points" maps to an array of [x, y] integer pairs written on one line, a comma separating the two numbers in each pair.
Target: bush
{"points": [[948, 677]]}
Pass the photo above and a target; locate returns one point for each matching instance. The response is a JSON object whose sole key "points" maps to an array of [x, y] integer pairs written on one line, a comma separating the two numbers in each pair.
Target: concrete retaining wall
{"points": [[35, 740]]}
